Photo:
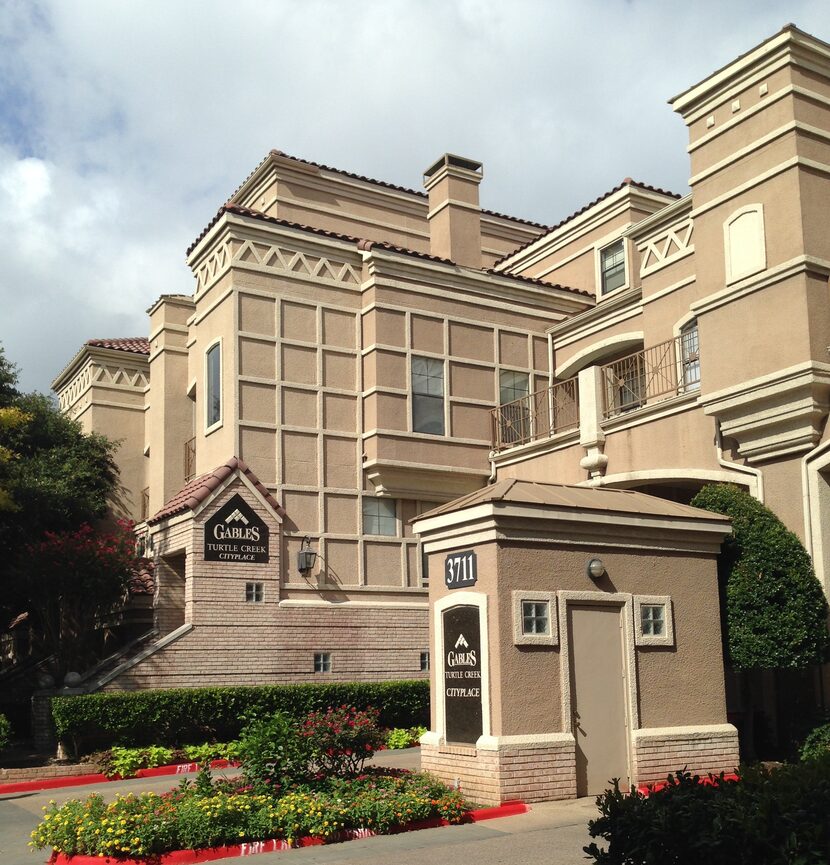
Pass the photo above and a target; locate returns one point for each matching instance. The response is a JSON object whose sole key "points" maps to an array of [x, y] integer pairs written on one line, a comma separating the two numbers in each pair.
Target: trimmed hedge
{"points": [[180, 716], [774, 817]]}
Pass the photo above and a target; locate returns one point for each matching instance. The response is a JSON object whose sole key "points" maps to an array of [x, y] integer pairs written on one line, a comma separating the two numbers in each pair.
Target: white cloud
{"points": [[125, 125]]}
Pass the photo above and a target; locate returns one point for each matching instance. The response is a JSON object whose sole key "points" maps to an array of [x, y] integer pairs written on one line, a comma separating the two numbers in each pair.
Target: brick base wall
{"points": [[539, 769], [657, 752], [366, 643]]}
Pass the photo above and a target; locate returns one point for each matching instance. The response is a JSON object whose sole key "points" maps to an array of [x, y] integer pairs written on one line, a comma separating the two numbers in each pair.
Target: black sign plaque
{"points": [[462, 674], [236, 534], [460, 570]]}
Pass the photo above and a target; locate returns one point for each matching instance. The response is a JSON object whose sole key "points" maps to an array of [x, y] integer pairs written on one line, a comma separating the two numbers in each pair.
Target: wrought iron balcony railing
{"points": [[651, 375], [536, 416]]}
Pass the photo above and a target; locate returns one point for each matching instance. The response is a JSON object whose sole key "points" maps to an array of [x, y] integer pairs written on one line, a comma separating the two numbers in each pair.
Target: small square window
{"points": [[322, 662], [424, 662], [254, 593], [380, 517], [535, 617], [653, 622]]}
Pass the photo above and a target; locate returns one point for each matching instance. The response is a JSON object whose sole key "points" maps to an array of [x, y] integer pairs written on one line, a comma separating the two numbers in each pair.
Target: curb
{"points": [[277, 845], [98, 778], [708, 781]]}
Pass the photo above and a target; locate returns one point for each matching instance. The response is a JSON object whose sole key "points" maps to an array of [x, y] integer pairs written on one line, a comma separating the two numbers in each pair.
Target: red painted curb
{"points": [[708, 781], [276, 845], [81, 780]]}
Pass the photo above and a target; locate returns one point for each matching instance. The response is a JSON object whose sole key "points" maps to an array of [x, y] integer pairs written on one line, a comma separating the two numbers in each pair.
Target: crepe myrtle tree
{"points": [[773, 608]]}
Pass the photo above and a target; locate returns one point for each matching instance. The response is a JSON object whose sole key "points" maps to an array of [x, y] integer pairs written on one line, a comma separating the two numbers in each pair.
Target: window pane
{"points": [[380, 517], [513, 386], [690, 355], [653, 619], [612, 266], [428, 395], [534, 617], [213, 389]]}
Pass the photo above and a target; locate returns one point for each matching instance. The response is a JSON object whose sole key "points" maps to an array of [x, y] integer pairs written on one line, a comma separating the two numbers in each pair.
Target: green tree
{"points": [[773, 608], [53, 479]]}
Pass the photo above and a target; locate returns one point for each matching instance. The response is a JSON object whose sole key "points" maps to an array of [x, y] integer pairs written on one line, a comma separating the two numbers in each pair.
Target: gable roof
{"points": [[194, 492], [627, 182]]}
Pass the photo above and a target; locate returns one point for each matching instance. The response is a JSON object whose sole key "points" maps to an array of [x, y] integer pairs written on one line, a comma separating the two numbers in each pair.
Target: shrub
{"points": [[127, 761], [5, 732], [776, 817], [817, 743], [180, 715], [212, 751], [274, 754], [343, 738], [399, 738]]}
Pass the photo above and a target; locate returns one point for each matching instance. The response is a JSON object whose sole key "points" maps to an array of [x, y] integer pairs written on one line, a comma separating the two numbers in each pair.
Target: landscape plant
{"points": [[773, 609], [343, 738], [404, 738], [771, 816], [275, 755], [817, 743], [5, 732], [178, 716]]}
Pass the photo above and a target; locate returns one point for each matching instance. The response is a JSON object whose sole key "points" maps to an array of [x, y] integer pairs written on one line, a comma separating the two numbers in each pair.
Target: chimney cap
{"points": [[451, 160]]}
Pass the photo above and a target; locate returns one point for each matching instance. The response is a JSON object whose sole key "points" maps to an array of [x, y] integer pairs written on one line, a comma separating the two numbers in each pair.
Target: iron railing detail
{"points": [[536, 416]]}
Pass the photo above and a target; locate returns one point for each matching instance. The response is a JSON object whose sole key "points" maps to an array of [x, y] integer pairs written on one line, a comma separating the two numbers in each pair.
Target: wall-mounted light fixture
{"points": [[595, 568], [306, 557]]}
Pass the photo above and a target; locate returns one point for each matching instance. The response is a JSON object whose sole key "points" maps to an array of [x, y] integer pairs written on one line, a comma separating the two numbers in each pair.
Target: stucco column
{"points": [[591, 436]]}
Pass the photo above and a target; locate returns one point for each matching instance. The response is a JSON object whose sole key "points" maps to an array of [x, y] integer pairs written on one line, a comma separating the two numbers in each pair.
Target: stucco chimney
{"points": [[454, 213]]}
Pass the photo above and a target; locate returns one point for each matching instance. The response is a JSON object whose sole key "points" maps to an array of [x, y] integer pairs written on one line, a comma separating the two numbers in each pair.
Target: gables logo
{"points": [[236, 517], [235, 533], [461, 642], [460, 658]]}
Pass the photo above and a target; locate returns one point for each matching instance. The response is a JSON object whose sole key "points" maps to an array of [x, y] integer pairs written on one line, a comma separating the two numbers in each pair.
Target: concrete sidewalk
{"points": [[552, 833]]}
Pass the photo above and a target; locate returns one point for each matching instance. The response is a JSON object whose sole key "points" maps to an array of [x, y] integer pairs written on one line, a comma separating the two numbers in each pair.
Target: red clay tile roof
{"points": [[539, 282], [627, 182], [143, 582], [374, 182], [134, 344], [193, 493]]}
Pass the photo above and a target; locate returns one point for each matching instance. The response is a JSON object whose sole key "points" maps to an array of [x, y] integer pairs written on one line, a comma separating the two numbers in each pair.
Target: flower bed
{"points": [[205, 815]]}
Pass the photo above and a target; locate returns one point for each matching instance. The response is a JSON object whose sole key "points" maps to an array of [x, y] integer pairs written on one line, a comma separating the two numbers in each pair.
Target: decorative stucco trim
{"points": [[531, 740], [698, 731]]}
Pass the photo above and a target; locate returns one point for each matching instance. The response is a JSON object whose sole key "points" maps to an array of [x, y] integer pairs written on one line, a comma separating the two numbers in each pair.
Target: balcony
{"points": [[651, 375], [537, 416]]}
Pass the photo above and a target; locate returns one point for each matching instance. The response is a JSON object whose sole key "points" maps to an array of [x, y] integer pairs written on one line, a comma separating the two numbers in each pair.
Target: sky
{"points": [[125, 125]]}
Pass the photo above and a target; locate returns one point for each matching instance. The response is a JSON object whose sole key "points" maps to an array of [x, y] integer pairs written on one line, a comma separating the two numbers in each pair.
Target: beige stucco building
{"points": [[356, 354]]}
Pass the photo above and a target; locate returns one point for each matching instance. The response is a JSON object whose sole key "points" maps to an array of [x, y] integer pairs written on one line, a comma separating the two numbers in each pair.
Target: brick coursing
{"points": [[657, 756], [533, 774]]}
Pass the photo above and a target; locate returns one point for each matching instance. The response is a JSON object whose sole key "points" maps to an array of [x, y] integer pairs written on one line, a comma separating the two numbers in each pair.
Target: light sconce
{"points": [[306, 557], [595, 568]]}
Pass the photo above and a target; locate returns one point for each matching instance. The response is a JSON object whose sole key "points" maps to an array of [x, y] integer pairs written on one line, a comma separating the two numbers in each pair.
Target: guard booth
{"points": [[575, 637]]}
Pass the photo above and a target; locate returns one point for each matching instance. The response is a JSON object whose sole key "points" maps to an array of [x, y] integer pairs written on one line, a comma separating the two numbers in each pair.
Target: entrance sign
{"points": [[236, 534], [460, 570], [462, 674]]}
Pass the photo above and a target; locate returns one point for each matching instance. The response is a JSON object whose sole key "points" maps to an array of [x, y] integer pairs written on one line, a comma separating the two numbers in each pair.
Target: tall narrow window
{"points": [[514, 412], [612, 267], [379, 517], [428, 395], [690, 356], [213, 388]]}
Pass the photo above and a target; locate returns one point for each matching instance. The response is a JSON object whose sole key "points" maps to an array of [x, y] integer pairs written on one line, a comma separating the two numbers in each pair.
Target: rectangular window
{"points": [[514, 408], [535, 617], [424, 661], [612, 267], [690, 356], [424, 569], [254, 593], [380, 517], [428, 395], [322, 662], [653, 620], [213, 385]]}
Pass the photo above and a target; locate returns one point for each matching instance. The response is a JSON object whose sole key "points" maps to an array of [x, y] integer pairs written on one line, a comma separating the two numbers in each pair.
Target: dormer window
{"points": [[612, 267]]}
